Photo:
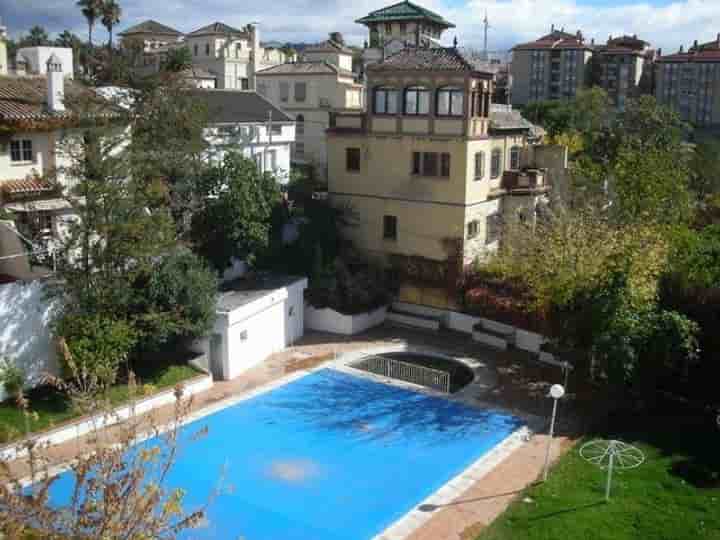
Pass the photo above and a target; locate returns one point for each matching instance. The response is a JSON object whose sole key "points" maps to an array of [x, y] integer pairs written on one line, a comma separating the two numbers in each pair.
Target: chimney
{"points": [[682, 49], [592, 41], [21, 65], [255, 36], [659, 52], [3, 50], [718, 40], [552, 28], [695, 44], [337, 37], [56, 85]]}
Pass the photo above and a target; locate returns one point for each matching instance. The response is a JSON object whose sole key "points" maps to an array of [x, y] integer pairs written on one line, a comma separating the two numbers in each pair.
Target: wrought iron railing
{"points": [[405, 371]]}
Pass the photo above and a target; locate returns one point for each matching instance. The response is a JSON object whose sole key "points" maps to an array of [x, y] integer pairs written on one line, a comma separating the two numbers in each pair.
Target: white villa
{"points": [[248, 123], [229, 55], [311, 90]]}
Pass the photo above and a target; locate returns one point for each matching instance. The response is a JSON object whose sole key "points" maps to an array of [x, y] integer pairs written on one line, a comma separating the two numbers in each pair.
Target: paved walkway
{"points": [[521, 386]]}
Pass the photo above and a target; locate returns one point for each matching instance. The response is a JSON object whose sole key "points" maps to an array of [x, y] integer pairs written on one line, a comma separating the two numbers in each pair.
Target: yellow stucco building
{"points": [[429, 172]]}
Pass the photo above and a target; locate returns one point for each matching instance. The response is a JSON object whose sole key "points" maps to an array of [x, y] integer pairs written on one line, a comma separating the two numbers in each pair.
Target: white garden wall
{"points": [[329, 320], [25, 335], [83, 426]]}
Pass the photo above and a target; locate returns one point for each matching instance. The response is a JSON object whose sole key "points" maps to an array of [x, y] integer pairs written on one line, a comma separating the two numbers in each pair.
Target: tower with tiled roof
{"points": [[395, 27]]}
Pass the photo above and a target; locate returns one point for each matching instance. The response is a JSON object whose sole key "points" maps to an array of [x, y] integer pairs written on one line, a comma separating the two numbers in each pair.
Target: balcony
{"points": [[526, 181]]}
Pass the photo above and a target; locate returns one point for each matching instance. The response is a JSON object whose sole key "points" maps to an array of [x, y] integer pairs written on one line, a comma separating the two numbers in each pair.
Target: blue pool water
{"points": [[329, 456]]}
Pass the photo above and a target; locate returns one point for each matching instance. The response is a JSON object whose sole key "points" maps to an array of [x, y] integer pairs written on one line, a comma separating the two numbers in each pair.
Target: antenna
{"points": [[486, 26]]}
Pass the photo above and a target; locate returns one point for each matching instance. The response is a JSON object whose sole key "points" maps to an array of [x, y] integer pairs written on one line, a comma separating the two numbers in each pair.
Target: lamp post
{"points": [[557, 391]]}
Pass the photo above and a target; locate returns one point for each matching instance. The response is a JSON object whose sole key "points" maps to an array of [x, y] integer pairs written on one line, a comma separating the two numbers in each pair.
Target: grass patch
{"points": [[51, 407], [658, 501]]}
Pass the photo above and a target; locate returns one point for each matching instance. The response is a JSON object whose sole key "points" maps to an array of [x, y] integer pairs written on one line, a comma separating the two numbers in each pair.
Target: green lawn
{"points": [[52, 407], [661, 500]]}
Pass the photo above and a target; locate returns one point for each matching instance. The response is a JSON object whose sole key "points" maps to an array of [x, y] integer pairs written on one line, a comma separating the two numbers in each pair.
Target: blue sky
{"points": [[664, 23]]}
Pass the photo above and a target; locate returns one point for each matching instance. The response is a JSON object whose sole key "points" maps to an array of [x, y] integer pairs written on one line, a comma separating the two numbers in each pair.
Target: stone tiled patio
{"points": [[521, 386]]}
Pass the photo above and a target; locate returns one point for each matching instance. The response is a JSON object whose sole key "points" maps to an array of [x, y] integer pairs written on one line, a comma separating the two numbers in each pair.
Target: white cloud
{"points": [[667, 26]]}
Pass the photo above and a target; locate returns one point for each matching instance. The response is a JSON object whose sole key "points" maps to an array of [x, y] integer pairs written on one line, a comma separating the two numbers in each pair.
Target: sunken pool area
{"points": [[431, 370]]}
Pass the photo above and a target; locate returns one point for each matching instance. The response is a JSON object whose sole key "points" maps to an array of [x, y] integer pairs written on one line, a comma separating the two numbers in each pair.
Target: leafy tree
{"points": [[71, 41], [92, 11], [705, 167], [178, 59], [110, 12], [178, 301], [651, 124], [37, 37], [168, 144], [235, 219], [650, 184]]}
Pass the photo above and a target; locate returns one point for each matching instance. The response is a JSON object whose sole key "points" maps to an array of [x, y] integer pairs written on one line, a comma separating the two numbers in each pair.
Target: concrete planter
{"points": [[83, 426], [333, 322], [528, 341]]}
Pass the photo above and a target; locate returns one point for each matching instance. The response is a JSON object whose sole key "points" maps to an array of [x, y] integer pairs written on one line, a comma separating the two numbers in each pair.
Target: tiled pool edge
{"points": [[453, 489]]}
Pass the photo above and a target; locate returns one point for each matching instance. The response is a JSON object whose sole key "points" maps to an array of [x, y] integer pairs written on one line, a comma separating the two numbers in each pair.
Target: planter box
{"points": [[528, 341], [414, 320], [491, 340], [333, 322], [83, 426]]}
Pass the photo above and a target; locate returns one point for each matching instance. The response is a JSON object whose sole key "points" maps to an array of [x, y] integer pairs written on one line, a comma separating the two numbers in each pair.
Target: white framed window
{"points": [[300, 91], [450, 101], [417, 100], [299, 125], [479, 166], [21, 151], [386, 100], [515, 158], [284, 92], [472, 229], [271, 160], [495, 163]]}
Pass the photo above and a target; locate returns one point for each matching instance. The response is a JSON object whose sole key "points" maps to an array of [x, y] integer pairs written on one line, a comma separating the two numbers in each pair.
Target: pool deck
{"points": [[517, 384]]}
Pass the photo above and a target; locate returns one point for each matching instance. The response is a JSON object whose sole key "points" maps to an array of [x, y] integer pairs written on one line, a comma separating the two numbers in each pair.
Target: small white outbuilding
{"points": [[255, 318]]}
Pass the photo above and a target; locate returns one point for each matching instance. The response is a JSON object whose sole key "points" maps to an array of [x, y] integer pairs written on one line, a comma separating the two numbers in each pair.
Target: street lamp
{"points": [[557, 391]]}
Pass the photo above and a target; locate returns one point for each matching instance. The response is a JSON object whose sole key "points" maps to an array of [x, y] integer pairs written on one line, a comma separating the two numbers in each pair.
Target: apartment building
{"points": [[689, 82], [232, 56], [395, 27], [4, 59], [428, 173], [625, 64], [311, 90], [549, 68]]}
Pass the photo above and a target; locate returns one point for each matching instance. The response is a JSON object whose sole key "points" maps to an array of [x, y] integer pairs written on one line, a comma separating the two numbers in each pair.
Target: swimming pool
{"points": [[329, 456]]}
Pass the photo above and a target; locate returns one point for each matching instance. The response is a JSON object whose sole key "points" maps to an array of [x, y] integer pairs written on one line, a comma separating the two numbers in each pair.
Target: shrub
{"points": [[93, 347], [178, 300], [12, 378]]}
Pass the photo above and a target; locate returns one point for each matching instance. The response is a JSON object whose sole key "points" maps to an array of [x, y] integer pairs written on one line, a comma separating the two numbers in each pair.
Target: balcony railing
{"points": [[525, 180]]}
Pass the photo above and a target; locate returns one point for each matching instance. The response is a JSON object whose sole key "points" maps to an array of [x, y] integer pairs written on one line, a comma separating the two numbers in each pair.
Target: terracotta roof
{"points": [[712, 45], [32, 185], [25, 98], [556, 39], [215, 28], [430, 59], [707, 55], [305, 68], [627, 41], [150, 27], [237, 107], [404, 11], [328, 46]]}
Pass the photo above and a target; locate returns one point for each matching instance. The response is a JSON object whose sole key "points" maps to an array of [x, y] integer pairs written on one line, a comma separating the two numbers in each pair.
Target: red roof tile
{"points": [[27, 186]]}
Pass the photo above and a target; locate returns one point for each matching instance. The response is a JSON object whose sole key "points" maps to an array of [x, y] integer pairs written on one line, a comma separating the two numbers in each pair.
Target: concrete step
{"points": [[413, 320], [494, 335]]}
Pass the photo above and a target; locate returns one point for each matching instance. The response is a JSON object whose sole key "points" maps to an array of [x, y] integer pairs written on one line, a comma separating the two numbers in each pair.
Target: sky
{"points": [[666, 24]]}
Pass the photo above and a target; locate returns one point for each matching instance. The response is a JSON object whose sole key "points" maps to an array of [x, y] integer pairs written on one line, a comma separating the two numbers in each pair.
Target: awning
{"points": [[26, 186], [43, 205]]}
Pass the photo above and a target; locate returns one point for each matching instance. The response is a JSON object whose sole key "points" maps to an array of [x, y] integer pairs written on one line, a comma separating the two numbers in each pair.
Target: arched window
{"points": [[450, 101], [299, 125], [479, 165], [496, 163], [417, 100], [386, 100], [515, 158]]}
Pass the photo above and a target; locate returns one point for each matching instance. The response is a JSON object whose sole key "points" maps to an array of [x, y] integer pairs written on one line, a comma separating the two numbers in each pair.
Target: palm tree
{"points": [[37, 36], [91, 11], [111, 13]]}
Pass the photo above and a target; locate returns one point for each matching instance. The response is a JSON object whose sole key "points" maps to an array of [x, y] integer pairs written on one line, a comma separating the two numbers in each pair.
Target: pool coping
{"points": [[415, 518]]}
